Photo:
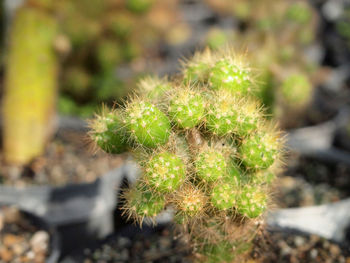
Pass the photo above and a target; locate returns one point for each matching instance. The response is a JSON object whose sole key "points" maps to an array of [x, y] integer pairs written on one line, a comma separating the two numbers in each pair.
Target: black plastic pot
{"points": [[82, 213]]}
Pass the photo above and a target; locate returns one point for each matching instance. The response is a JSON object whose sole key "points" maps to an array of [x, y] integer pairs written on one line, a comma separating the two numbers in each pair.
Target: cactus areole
{"points": [[204, 147]]}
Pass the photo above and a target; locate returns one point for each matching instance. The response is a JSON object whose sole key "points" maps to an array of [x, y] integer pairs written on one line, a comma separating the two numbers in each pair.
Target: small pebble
{"points": [[39, 241], [5, 254], [9, 240], [11, 215], [124, 255], [123, 242], [335, 250], [299, 241], [313, 253]]}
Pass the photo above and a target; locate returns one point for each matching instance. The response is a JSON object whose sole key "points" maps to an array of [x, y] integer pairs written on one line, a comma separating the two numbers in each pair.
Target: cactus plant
{"points": [[207, 152], [30, 84]]}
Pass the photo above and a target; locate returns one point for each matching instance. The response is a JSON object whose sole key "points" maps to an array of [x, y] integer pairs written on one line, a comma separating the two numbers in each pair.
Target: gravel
{"points": [[71, 158], [20, 241]]}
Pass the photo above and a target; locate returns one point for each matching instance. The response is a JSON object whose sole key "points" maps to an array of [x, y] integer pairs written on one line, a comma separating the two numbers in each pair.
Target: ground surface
{"points": [[20, 240]]}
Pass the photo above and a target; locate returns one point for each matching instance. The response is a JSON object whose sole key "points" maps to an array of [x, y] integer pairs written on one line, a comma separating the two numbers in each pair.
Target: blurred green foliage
{"points": [[277, 34], [100, 37]]}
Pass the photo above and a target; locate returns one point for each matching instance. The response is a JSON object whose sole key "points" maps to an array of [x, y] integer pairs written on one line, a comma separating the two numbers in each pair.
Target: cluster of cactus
{"points": [[205, 149], [104, 35], [277, 33]]}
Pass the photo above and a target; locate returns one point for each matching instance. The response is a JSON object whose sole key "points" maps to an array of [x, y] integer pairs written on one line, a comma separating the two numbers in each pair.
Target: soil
{"points": [[20, 240], [308, 182], [69, 158], [159, 245], [271, 246], [292, 247]]}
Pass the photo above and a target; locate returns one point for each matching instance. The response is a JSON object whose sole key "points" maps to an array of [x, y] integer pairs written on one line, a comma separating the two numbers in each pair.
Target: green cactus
{"points": [[251, 201], [196, 70], [190, 202], [186, 108], [259, 151], [30, 85], [149, 126], [226, 75], [108, 133], [221, 114], [210, 165], [154, 88], [141, 202], [213, 165], [221, 252], [224, 194], [296, 90], [165, 172], [196, 73], [217, 38]]}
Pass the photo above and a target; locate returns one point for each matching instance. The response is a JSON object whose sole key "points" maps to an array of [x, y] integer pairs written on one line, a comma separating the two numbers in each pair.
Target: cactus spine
{"points": [[30, 85], [205, 149]]}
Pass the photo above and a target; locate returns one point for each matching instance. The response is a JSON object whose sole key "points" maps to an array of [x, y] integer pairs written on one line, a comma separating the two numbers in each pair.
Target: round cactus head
{"points": [[148, 125], [221, 113], [260, 150], [186, 108], [217, 38], [296, 90], [196, 70], [224, 194], [108, 133], [142, 202], [231, 77], [210, 164], [251, 201], [154, 88], [190, 202], [165, 171]]}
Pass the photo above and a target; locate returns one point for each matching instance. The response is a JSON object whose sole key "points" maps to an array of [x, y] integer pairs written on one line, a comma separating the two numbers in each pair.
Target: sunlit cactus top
{"points": [[204, 147]]}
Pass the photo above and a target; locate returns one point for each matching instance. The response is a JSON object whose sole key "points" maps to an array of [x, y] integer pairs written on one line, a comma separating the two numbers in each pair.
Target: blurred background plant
{"points": [[82, 46], [30, 83], [280, 35], [102, 37]]}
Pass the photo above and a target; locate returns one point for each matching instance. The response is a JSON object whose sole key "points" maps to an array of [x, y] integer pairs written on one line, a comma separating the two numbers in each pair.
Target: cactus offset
{"points": [[149, 126]]}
